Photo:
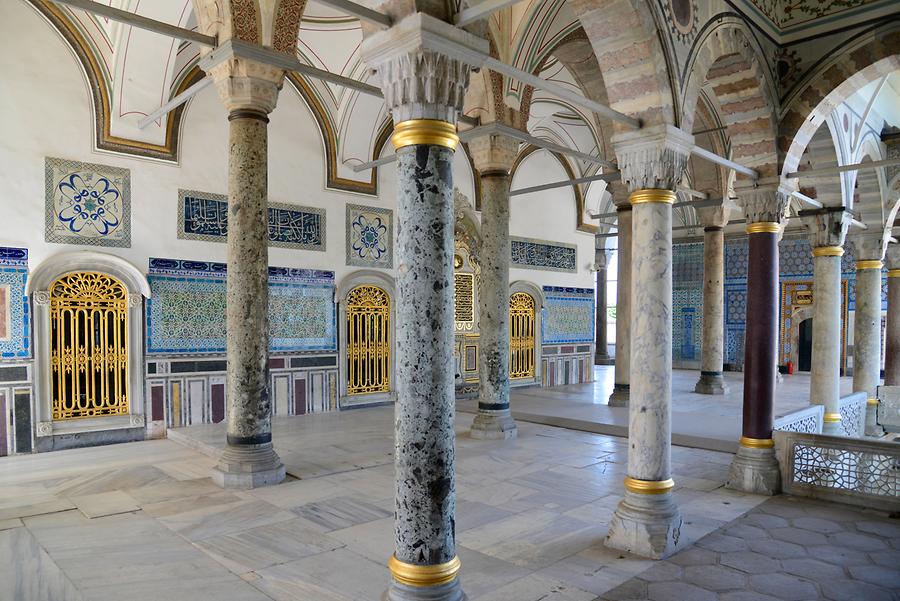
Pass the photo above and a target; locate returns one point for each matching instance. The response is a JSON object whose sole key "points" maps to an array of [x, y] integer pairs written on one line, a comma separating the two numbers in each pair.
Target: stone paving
{"points": [[785, 549]]}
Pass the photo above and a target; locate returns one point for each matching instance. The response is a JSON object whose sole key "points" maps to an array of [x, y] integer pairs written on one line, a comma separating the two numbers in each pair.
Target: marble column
{"points": [[601, 351], [827, 230], [754, 468], [493, 157], [249, 91], [869, 252], [423, 91], [892, 326], [712, 352], [647, 522], [621, 388]]}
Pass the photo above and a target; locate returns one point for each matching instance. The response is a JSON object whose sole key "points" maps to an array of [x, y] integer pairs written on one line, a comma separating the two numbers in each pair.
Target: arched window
{"points": [[521, 336], [368, 340], [88, 346]]}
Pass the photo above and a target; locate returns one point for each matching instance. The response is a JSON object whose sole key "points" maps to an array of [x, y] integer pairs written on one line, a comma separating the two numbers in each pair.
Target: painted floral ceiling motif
{"points": [[788, 13]]}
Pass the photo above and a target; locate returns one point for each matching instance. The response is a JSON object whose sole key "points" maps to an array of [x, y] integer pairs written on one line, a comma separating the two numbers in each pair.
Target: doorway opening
{"points": [[804, 342]]}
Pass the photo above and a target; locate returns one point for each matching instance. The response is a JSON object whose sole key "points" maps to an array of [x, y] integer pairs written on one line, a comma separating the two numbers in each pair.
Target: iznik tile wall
{"points": [[568, 315], [186, 312], [15, 327]]}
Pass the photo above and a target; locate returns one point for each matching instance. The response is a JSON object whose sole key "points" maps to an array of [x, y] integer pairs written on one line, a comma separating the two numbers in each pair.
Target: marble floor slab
{"points": [[532, 515]]}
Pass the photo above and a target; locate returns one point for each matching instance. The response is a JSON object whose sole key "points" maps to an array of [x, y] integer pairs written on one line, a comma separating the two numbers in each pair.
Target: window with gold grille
{"points": [[368, 340], [521, 336], [88, 346]]}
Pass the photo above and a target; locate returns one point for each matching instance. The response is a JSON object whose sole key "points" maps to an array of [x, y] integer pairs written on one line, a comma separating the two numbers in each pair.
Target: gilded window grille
{"points": [[521, 336], [368, 340], [88, 346]]}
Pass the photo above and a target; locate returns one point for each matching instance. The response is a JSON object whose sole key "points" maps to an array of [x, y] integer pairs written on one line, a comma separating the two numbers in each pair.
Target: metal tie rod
{"points": [[697, 204], [141, 22], [481, 11], [360, 12], [609, 177], [714, 158], [175, 102], [842, 168]]}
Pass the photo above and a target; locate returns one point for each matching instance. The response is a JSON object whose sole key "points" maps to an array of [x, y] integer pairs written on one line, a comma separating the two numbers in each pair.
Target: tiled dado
{"points": [[188, 391], [567, 364], [15, 408]]}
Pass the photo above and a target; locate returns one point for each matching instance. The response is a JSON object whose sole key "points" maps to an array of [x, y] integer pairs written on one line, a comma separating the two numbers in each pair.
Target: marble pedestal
{"points": [[620, 395], [452, 591], [493, 425], [755, 471], [711, 383], [248, 466], [646, 525]]}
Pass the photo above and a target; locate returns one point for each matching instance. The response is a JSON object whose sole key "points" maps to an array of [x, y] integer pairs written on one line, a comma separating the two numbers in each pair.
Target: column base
{"points": [[873, 428], [711, 382], [646, 525], [451, 591], [620, 395], [248, 466], [493, 425], [832, 428], [604, 360], [755, 470]]}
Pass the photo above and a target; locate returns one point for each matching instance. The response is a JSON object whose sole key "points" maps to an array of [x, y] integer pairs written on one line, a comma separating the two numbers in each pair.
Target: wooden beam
{"points": [[135, 20]]}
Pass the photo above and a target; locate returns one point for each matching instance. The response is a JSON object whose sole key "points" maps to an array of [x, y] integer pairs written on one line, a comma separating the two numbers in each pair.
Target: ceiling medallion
{"points": [[683, 19]]}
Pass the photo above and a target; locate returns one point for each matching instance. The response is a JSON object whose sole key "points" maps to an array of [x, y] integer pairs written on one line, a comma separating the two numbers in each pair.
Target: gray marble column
{"points": [[601, 260], [493, 157], [712, 352], [869, 253], [249, 91], [647, 522], [423, 91], [827, 229], [621, 389], [892, 326]]}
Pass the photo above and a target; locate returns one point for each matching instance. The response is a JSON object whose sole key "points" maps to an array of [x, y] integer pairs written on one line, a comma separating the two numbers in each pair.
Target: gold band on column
{"points": [[828, 251], [832, 418], [757, 443], [648, 487], [652, 195], [429, 575], [763, 227], [872, 402], [894, 273], [425, 131], [874, 264]]}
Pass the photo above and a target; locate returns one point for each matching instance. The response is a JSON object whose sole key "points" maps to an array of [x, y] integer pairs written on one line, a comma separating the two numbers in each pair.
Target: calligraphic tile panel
{"points": [[542, 254]]}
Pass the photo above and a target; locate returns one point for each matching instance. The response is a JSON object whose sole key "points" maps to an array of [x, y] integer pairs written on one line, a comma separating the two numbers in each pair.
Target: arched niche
{"points": [[57, 434], [535, 292], [384, 281]]}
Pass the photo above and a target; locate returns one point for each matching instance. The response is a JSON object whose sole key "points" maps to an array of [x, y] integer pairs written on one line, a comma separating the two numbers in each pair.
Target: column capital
{"points": [[868, 246], [243, 84], [493, 153], [892, 255], [713, 217], [602, 257], [764, 201], [827, 226], [418, 78], [653, 157]]}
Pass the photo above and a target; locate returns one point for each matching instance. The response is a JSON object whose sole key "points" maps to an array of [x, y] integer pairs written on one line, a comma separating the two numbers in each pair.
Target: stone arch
{"points": [[627, 45], [581, 225], [128, 427], [384, 281], [725, 59], [868, 58]]}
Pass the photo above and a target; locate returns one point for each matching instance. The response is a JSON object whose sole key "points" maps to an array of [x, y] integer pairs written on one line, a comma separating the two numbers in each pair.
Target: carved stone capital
{"points": [[868, 246], [892, 256], [495, 152], [827, 226], [713, 216], [601, 256], [418, 79], [764, 202], [41, 297], [245, 84], [653, 157]]}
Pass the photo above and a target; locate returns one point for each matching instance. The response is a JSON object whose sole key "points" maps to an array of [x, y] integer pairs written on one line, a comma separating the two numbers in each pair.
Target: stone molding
{"points": [[764, 202], [419, 78], [653, 157], [827, 226], [495, 152]]}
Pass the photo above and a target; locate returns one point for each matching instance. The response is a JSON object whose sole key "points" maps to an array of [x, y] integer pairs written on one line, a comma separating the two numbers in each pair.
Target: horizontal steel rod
{"points": [[712, 202], [141, 22], [175, 102], [842, 168], [804, 198], [481, 11], [609, 177], [357, 10], [522, 136], [719, 160]]}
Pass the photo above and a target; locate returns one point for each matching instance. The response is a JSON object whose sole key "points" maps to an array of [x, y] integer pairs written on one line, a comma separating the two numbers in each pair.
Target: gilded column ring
{"points": [[763, 227], [828, 251], [874, 264], [423, 575], [832, 418], [433, 132], [652, 195], [648, 487], [873, 402], [757, 443], [893, 273]]}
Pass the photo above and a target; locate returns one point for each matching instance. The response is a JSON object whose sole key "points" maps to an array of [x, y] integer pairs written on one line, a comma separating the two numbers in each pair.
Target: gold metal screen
{"points": [[521, 336], [368, 340], [88, 346]]}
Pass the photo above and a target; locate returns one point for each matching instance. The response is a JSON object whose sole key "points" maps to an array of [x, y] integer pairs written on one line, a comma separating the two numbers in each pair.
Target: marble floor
{"points": [[698, 420], [143, 521]]}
